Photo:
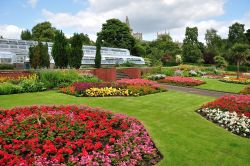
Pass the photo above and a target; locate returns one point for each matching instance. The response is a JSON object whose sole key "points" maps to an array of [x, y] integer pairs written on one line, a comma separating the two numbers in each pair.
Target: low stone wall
{"points": [[105, 74], [131, 72]]}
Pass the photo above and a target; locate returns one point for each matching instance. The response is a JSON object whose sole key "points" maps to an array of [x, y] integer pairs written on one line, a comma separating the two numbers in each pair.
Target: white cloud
{"points": [[147, 16], [32, 3], [10, 31]]}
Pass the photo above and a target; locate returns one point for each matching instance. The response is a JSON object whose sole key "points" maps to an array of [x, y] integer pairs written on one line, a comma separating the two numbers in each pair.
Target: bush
{"points": [[6, 67], [59, 78], [8, 88], [156, 77], [168, 72], [220, 61], [32, 86]]}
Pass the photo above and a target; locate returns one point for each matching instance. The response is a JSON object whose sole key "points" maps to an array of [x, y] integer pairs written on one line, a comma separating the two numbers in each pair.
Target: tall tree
{"points": [[236, 34], [76, 53], [60, 50], [239, 53], [26, 35], [45, 59], [98, 56], [43, 32], [115, 33], [213, 46], [39, 56], [248, 35], [191, 51]]}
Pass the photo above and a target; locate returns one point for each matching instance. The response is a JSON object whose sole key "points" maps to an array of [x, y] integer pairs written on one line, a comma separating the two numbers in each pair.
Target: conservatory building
{"points": [[17, 52]]}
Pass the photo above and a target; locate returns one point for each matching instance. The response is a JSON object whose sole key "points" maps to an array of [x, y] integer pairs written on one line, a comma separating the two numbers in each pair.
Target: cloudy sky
{"points": [[146, 16]]}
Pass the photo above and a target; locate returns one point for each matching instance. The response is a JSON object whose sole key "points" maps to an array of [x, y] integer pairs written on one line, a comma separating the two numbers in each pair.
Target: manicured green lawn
{"points": [[215, 84], [183, 136]]}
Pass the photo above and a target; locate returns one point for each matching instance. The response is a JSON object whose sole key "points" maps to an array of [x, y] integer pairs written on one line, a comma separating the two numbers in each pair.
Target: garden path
{"points": [[203, 92]]}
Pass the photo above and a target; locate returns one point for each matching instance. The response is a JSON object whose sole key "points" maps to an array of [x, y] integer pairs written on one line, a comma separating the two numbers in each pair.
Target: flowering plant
{"points": [[124, 87], [183, 81], [72, 135], [246, 90], [232, 103], [239, 125], [236, 80], [231, 112]]}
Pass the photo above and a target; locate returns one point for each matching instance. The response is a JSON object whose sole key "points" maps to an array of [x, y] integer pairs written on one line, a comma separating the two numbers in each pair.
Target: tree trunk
{"points": [[238, 69]]}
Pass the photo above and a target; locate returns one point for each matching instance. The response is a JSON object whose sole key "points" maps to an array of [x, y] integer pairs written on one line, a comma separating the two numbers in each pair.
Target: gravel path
{"points": [[196, 91]]}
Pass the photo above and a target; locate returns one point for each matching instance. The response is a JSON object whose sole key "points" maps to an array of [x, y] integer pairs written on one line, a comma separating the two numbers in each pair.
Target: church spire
{"points": [[127, 21]]}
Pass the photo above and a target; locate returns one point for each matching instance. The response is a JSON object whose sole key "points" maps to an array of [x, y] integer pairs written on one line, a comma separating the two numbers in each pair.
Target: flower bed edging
{"points": [[73, 135]]}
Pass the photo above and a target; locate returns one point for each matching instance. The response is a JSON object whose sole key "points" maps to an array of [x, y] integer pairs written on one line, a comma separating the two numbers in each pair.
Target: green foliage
{"points": [[127, 64], [248, 35], [60, 50], [236, 34], [98, 56], [26, 35], [43, 32], [138, 50], [168, 71], [29, 85], [191, 46], [44, 59], [9, 88], [76, 53], [58, 78], [117, 34], [220, 61], [84, 39], [239, 53], [6, 67], [39, 56], [234, 68]]}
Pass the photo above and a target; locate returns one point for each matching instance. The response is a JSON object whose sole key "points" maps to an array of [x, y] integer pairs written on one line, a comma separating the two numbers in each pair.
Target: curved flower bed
{"points": [[231, 112], [181, 81], [245, 81], [71, 135], [124, 87], [246, 90]]}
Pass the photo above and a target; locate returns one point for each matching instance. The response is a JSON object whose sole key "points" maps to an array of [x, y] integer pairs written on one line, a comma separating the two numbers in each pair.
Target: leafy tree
{"points": [[115, 33], [239, 53], [60, 50], [213, 46], [248, 35], [220, 61], [43, 32], [76, 53], [98, 56], [155, 57], [236, 34], [138, 50], [84, 38], [191, 50], [26, 35]]}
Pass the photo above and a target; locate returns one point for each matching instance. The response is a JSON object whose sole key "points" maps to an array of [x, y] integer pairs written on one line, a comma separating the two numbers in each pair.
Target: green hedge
{"points": [[6, 67], [234, 68]]}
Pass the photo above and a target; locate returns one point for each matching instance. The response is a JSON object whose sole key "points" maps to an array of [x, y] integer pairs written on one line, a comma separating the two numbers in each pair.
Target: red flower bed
{"points": [[49, 135], [182, 81], [136, 82], [232, 103]]}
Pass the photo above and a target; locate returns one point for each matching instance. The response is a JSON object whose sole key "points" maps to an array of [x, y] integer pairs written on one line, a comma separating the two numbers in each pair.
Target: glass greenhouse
{"points": [[17, 51]]}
